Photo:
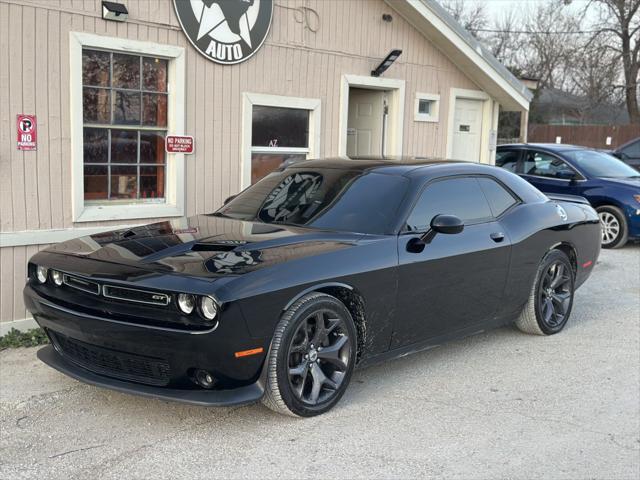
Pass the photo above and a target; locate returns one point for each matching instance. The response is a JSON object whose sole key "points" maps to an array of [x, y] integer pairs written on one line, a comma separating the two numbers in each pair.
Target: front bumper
{"points": [[150, 361], [207, 398]]}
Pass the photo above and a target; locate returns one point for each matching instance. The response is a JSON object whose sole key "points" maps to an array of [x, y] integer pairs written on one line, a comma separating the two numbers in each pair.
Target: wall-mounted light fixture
{"points": [[386, 63], [386, 17], [114, 11]]}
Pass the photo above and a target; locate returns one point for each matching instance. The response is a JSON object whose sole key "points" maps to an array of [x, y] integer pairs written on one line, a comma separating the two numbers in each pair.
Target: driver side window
{"points": [[461, 197], [545, 165]]}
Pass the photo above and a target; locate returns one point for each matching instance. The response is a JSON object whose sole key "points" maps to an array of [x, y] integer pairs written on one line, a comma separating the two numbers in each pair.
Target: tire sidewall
{"points": [[621, 239], [325, 302], [551, 257]]}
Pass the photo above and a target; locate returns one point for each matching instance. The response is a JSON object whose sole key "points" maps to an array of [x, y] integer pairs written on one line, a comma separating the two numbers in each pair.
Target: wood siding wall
{"points": [[35, 187]]}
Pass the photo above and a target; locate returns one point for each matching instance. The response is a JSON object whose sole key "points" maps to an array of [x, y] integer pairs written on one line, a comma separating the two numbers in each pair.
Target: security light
{"points": [[386, 63], [114, 11]]}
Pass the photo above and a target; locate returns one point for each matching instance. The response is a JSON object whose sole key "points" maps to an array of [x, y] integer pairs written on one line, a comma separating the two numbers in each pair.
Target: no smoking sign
{"points": [[27, 129]]}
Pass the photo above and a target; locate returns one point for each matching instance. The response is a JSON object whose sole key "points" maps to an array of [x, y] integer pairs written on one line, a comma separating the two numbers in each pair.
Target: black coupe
{"points": [[320, 267]]}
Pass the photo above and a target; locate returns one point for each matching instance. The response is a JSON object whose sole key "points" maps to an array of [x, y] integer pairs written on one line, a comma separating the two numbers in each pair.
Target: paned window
{"points": [[125, 111]]}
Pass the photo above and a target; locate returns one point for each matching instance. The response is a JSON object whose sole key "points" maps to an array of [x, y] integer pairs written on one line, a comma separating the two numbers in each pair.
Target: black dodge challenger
{"points": [[320, 267]]}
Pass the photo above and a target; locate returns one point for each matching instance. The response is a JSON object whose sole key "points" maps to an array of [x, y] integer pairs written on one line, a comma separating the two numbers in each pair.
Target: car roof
{"points": [[405, 166], [552, 147]]}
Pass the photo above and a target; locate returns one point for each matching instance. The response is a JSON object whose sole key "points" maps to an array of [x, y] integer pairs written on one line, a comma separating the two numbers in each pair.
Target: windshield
{"points": [[331, 199], [598, 164]]}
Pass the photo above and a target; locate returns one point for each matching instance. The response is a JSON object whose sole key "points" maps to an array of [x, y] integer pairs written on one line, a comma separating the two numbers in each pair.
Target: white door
{"points": [[364, 127], [467, 130]]}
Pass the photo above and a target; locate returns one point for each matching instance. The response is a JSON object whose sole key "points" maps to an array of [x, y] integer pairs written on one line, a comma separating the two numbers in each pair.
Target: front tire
{"points": [[551, 299], [312, 357], [614, 226]]}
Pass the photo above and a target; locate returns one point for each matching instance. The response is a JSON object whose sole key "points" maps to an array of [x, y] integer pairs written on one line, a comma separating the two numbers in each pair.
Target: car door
{"points": [[457, 280], [549, 173]]}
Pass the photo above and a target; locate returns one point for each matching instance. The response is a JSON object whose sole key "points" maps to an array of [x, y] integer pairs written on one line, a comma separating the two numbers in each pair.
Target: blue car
{"points": [[611, 186]]}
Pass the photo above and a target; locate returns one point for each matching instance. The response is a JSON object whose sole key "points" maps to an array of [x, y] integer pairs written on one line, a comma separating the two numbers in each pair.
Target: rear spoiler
{"points": [[567, 198]]}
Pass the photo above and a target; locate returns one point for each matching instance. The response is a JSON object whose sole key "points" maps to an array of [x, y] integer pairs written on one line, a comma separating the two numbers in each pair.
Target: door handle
{"points": [[497, 237]]}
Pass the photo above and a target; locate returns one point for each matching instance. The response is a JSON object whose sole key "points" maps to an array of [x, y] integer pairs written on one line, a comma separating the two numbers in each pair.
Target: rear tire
{"points": [[312, 357], [614, 226], [551, 299]]}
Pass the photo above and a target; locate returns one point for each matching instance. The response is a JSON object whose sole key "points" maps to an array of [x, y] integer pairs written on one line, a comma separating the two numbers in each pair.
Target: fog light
{"points": [[204, 379], [57, 277], [41, 274], [209, 308], [186, 302]]}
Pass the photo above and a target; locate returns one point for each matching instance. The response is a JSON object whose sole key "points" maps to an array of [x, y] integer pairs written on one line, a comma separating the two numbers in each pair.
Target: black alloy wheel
{"points": [[555, 294], [312, 356], [551, 299], [319, 356]]}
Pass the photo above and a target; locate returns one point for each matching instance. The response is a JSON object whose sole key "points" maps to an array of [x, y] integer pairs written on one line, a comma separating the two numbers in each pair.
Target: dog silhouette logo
{"points": [[225, 31]]}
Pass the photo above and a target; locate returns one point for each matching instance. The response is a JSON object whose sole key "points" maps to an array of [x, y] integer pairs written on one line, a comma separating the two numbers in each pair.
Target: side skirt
{"points": [[434, 342]]}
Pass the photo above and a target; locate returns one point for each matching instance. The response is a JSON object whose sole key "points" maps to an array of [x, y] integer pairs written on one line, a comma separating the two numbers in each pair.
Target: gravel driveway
{"points": [[500, 404]]}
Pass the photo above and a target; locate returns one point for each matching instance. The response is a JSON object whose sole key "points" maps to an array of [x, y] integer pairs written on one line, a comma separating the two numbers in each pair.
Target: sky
{"points": [[495, 8]]}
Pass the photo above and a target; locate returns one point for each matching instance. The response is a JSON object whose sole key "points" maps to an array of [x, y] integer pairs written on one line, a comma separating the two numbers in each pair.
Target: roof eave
{"points": [[466, 52]]}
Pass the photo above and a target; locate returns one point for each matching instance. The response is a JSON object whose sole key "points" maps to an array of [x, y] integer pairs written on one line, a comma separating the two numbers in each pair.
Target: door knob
{"points": [[497, 237]]}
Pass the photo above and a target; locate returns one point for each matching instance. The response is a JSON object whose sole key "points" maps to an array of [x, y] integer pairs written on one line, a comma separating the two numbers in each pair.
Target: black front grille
{"points": [[135, 295], [81, 284], [112, 363]]}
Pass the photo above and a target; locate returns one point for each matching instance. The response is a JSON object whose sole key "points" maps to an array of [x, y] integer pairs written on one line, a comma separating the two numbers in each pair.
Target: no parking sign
{"points": [[27, 129]]}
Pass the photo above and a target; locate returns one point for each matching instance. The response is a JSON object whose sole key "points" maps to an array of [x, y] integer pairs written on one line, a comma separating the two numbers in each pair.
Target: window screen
{"points": [[456, 196]]}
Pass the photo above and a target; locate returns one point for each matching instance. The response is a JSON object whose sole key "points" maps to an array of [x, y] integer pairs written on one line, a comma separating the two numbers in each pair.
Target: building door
{"points": [[467, 130], [366, 122]]}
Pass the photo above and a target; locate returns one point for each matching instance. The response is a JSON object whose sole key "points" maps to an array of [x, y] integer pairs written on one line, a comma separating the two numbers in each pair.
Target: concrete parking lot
{"points": [[497, 405]]}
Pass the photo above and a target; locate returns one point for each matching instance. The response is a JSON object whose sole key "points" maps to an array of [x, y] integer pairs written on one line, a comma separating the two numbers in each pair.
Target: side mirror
{"points": [[229, 199], [447, 224]]}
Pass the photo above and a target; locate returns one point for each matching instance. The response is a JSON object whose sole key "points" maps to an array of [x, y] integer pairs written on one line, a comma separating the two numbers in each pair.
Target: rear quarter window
{"points": [[500, 199]]}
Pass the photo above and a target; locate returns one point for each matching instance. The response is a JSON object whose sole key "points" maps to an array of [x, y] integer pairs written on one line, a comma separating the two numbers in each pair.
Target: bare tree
{"points": [[472, 16], [552, 44], [619, 23], [595, 73]]}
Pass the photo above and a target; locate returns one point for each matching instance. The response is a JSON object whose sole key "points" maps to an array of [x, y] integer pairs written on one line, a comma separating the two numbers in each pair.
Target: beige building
{"points": [[105, 95]]}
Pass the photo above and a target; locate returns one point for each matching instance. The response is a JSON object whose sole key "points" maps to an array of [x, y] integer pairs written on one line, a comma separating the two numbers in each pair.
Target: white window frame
{"points": [[173, 206], [434, 112], [313, 105]]}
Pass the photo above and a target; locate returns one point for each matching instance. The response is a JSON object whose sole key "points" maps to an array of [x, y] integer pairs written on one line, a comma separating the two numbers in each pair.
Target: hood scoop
{"points": [[214, 247]]}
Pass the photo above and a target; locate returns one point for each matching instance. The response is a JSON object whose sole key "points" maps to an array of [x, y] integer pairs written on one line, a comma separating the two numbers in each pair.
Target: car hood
{"points": [[205, 245]]}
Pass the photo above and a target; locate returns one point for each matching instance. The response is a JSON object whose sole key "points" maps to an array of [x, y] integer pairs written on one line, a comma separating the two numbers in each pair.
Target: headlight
{"points": [[57, 277], [41, 274], [209, 308], [186, 302], [637, 197]]}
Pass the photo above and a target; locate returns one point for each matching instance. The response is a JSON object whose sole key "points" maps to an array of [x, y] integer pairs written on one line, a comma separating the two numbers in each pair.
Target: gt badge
{"points": [[225, 31]]}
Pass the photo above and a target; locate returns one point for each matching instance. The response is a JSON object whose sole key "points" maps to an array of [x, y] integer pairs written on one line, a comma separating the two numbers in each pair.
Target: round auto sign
{"points": [[225, 31]]}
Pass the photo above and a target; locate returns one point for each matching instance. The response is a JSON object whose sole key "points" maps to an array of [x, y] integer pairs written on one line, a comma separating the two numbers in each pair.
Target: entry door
{"points": [[365, 122], [467, 130]]}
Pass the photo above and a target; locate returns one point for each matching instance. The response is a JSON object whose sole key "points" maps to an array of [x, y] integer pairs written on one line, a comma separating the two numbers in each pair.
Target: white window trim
{"points": [[174, 190], [434, 113], [251, 99], [396, 88]]}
